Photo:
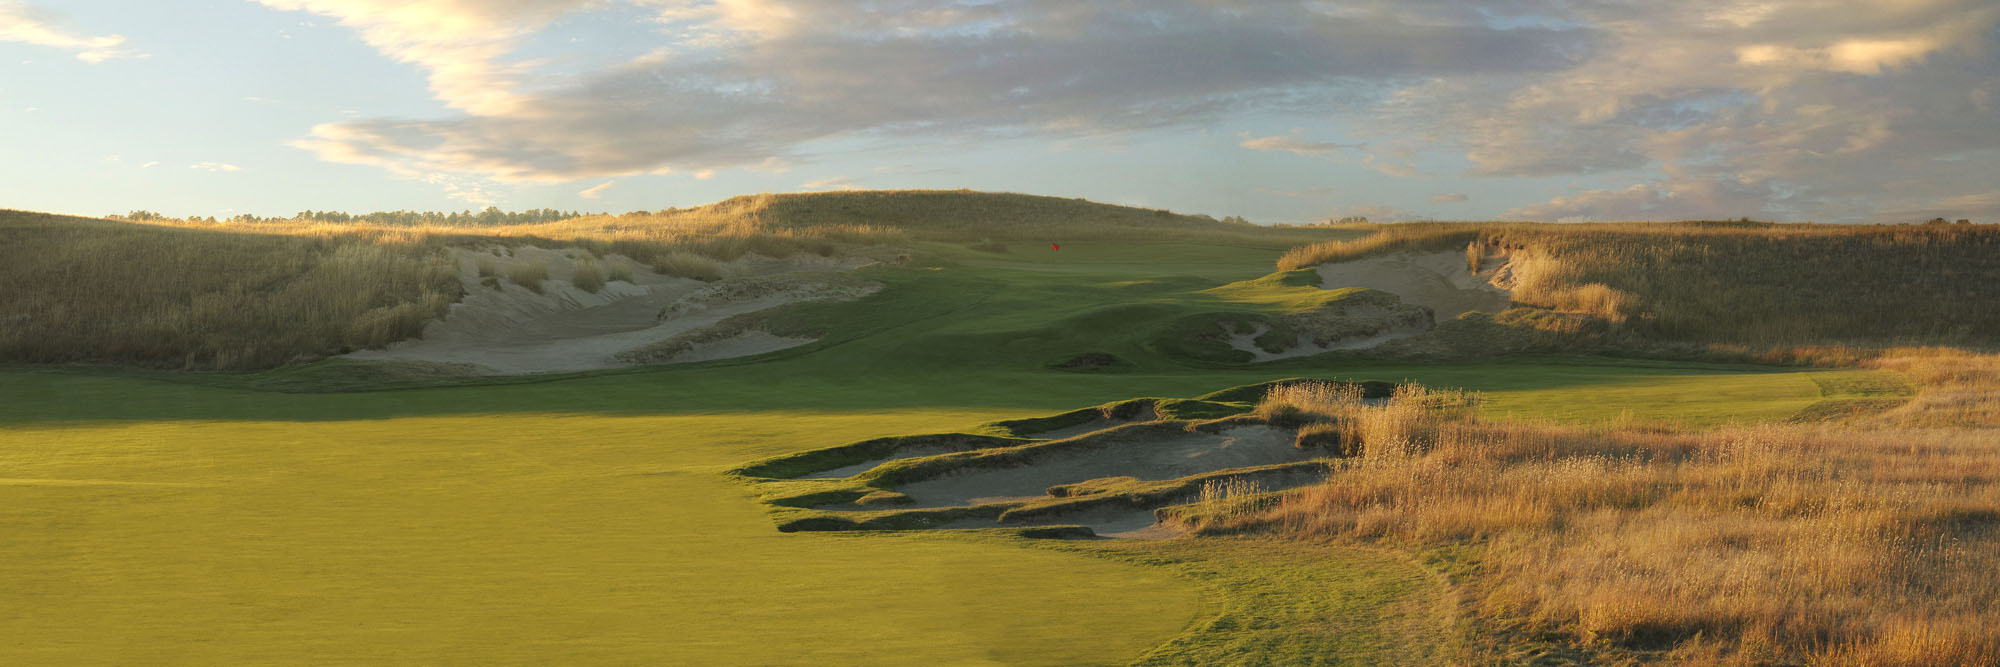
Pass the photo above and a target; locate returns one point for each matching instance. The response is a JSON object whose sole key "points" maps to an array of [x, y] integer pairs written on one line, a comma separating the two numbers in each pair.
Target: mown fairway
{"points": [[585, 518]]}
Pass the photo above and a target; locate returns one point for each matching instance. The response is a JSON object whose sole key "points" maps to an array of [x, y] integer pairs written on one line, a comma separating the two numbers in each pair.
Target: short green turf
{"points": [[510, 539], [165, 518]]}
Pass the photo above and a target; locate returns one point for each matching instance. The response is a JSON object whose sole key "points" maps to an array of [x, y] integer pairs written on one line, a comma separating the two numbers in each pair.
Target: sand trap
{"points": [[1437, 280], [1304, 346], [1161, 457], [501, 327]]}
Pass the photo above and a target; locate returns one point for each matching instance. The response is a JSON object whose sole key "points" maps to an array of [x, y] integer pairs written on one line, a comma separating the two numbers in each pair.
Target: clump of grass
{"points": [[1324, 436], [588, 276], [484, 263], [529, 274], [689, 265], [618, 270]]}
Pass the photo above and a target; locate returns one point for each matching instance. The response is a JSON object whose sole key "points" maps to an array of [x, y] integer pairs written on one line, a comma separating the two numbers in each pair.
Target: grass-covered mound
{"points": [[83, 290], [1753, 284], [258, 293]]}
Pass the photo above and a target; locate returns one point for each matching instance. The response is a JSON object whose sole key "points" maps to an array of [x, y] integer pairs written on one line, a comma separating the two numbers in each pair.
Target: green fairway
{"points": [[524, 538], [202, 519]]}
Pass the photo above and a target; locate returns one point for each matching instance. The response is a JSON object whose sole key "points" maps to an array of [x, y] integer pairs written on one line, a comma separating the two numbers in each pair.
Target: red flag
{"points": [[1053, 246]]}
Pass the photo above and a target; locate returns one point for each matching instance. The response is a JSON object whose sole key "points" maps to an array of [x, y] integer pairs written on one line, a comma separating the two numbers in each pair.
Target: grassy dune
{"points": [[74, 289], [1865, 542], [1753, 284], [252, 294]]}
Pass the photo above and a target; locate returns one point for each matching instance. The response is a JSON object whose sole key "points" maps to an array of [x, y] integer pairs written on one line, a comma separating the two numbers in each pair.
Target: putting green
{"points": [[519, 538]]}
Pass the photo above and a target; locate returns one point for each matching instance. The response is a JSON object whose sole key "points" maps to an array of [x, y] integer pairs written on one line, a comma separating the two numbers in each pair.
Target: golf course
{"points": [[358, 510]]}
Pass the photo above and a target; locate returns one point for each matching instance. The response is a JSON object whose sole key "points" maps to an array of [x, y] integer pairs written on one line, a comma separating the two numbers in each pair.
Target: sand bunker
{"points": [[1155, 456], [1437, 280], [502, 327], [1305, 346]]}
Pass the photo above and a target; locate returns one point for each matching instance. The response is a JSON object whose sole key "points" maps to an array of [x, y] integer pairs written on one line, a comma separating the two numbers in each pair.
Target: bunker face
{"points": [[1440, 281], [502, 327], [1149, 459], [1304, 346]]}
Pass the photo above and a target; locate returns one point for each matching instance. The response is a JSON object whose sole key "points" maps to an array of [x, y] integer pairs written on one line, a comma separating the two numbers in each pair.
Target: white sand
{"points": [[513, 330], [1438, 280], [1304, 345]]}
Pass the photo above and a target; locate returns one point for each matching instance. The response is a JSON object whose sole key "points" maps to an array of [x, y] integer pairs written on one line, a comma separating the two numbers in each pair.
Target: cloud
{"points": [[1449, 198], [1681, 198], [596, 191], [1833, 110], [215, 166], [737, 82], [20, 22], [1824, 109], [1290, 144], [834, 183], [150, 164]]}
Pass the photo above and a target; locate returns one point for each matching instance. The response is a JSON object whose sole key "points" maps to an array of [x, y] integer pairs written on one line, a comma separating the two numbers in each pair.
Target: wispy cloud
{"points": [[596, 191], [834, 183], [215, 166], [738, 82], [1449, 198], [1291, 144], [20, 22]]}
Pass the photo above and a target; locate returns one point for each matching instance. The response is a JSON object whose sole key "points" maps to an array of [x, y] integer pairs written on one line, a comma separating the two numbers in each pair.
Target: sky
{"points": [[1281, 112]]}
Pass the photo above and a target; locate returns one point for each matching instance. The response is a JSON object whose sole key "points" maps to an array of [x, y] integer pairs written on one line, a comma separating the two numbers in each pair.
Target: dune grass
{"points": [[1755, 284], [588, 276], [75, 290], [1855, 543], [530, 275]]}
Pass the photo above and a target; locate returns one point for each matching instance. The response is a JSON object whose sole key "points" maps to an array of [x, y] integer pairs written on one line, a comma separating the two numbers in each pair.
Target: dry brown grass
{"points": [[1745, 545], [78, 290], [588, 276], [1754, 284]]}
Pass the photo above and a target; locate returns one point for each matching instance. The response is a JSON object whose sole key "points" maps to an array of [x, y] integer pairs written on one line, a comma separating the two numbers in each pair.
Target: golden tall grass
{"points": [[1755, 284], [74, 290], [1803, 543]]}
